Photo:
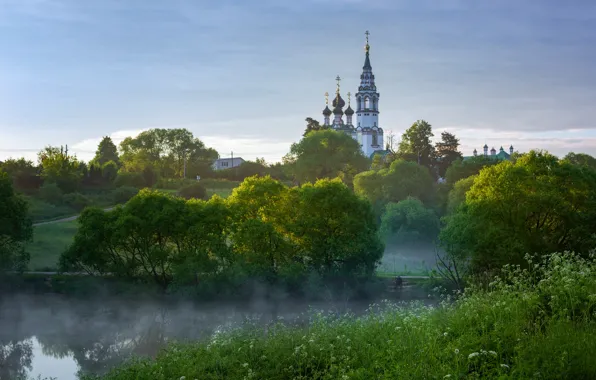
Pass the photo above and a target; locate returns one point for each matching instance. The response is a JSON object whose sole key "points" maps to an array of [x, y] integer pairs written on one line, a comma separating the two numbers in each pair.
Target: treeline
{"points": [[264, 232]]}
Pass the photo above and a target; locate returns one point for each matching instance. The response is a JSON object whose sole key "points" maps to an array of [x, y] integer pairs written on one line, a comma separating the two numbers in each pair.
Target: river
{"points": [[57, 337]]}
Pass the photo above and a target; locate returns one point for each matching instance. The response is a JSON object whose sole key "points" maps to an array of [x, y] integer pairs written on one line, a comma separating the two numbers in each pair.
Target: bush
{"points": [[211, 183], [130, 179], [123, 194], [76, 200], [195, 190], [50, 192]]}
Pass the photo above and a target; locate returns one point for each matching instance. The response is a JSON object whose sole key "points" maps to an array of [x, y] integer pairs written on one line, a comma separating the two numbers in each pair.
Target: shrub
{"points": [[130, 179], [50, 192], [123, 194], [109, 171], [76, 200], [195, 190], [211, 183], [173, 183]]}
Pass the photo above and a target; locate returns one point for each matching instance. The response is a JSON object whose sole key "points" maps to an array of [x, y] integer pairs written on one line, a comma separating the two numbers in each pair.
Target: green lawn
{"points": [[49, 241]]}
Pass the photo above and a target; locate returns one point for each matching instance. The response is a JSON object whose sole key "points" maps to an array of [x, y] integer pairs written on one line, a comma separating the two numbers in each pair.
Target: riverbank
{"points": [[528, 324]]}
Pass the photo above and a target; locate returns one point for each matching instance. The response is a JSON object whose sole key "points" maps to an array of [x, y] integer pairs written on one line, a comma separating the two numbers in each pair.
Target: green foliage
{"points": [[460, 169], [15, 227], [525, 323], [164, 151], [130, 179], [58, 167], [123, 194], [23, 173], [48, 243], [416, 145], [446, 152], [313, 125], [193, 190], [457, 195], [77, 201], [409, 221], [109, 171], [403, 179], [581, 159], [106, 152], [50, 192], [536, 205], [336, 230], [326, 154]]}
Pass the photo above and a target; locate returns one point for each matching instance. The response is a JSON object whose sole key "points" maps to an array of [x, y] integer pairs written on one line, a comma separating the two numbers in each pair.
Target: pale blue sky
{"points": [[243, 75]]}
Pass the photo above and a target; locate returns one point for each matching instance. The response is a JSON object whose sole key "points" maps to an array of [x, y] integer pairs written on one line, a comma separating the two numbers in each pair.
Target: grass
{"points": [[49, 241], [538, 323]]}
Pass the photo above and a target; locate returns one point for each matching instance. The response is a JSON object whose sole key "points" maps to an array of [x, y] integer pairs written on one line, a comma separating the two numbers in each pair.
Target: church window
{"points": [[375, 138], [366, 103]]}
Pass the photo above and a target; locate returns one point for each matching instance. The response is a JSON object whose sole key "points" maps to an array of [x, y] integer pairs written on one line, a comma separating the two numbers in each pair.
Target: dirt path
{"points": [[67, 219]]}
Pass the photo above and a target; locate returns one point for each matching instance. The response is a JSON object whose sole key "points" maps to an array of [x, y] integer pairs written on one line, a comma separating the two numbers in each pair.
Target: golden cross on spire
{"points": [[338, 79], [326, 98], [367, 33], [349, 95]]}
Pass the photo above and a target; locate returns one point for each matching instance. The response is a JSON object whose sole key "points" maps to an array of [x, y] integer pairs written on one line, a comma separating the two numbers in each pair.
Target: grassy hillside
{"points": [[49, 241]]}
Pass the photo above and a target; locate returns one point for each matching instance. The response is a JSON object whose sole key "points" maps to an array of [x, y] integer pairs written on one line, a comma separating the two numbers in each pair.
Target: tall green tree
{"points": [[61, 168], [15, 227], [538, 204], [460, 169], [23, 173], [326, 154], [336, 230], [416, 144], [447, 151], [106, 152]]}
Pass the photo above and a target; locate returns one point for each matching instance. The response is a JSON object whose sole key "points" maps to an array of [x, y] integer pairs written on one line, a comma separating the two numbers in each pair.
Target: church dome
{"points": [[338, 111], [349, 111], [326, 111], [338, 101]]}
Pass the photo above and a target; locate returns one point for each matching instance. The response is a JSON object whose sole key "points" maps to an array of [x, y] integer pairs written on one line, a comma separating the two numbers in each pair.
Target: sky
{"points": [[243, 75]]}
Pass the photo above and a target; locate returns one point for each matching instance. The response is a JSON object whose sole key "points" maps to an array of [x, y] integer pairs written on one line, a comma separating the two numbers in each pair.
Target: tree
{"points": [[536, 205], [403, 179], [335, 230], [313, 125], [326, 154], [23, 173], [106, 152], [58, 167], [409, 221], [415, 144], [460, 169], [168, 152], [109, 171], [154, 235], [457, 195], [15, 227], [194, 190], [581, 159], [446, 152]]}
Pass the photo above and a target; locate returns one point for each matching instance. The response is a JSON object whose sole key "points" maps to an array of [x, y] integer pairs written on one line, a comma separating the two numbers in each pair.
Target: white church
{"points": [[366, 131]]}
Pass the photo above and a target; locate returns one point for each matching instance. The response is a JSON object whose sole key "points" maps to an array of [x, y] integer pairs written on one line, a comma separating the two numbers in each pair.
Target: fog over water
{"points": [[54, 336]]}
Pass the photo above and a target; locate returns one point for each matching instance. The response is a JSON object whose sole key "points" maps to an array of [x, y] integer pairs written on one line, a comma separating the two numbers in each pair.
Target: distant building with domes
{"points": [[502, 155], [366, 131]]}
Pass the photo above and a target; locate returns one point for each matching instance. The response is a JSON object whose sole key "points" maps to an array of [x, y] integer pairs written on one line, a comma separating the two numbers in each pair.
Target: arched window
{"points": [[366, 103], [375, 138]]}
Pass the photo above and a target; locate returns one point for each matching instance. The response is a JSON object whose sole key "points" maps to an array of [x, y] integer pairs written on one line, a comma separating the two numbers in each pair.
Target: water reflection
{"points": [[55, 337]]}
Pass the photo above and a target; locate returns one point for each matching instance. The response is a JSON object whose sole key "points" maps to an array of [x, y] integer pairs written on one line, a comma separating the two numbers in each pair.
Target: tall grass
{"points": [[527, 324]]}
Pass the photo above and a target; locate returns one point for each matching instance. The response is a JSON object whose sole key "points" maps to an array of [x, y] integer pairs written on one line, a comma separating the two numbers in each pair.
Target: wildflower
{"points": [[456, 351], [445, 333], [245, 365], [473, 355], [182, 377], [504, 366], [492, 353], [446, 376]]}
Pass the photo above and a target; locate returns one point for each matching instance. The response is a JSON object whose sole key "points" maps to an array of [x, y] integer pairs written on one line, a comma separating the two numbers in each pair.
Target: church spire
{"points": [[338, 105], [367, 65]]}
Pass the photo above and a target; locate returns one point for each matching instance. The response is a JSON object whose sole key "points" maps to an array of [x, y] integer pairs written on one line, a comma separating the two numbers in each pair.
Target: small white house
{"points": [[227, 163]]}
